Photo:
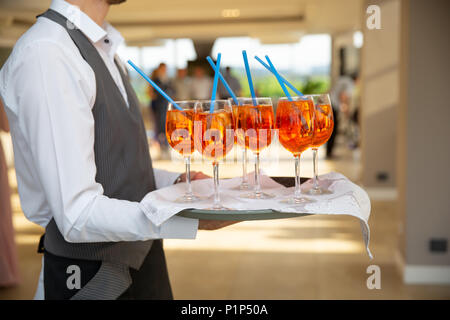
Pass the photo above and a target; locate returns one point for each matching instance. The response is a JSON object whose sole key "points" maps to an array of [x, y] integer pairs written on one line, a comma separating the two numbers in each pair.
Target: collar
{"points": [[81, 20], [115, 38]]}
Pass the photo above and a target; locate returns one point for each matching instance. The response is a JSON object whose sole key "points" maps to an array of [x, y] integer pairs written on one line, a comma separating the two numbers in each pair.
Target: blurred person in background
{"points": [[181, 85], [353, 113], [9, 271], [340, 95], [232, 81], [159, 104], [201, 85]]}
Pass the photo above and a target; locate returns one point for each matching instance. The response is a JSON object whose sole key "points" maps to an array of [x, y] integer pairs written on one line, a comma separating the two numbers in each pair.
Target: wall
{"points": [[379, 96], [424, 139]]}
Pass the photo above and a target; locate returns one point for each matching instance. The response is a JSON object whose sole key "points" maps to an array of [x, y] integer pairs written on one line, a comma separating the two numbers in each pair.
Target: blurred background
{"points": [[385, 68]]}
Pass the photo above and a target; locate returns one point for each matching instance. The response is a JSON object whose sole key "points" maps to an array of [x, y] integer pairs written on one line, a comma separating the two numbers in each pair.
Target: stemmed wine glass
{"points": [[295, 122], [236, 115], [323, 128], [214, 136], [254, 124], [179, 133]]}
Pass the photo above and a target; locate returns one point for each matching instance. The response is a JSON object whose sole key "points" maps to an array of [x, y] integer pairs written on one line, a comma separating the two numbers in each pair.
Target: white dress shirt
{"points": [[201, 88], [49, 90]]}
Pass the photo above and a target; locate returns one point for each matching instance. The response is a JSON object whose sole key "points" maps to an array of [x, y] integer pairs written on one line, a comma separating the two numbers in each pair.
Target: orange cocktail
{"points": [[180, 131], [244, 183], [214, 136], [295, 124], [254, 124], [324, 125], [180, 136], [218, 137]]}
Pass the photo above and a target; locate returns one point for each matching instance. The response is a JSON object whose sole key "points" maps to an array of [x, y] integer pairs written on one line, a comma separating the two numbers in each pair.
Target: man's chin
{"points": [[112, 2]]}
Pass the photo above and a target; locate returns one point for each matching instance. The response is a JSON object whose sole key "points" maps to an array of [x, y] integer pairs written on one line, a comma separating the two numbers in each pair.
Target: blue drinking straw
{"points": [[277, 75], [223, 81], [216, 80], [154, 85], [282, 78], [249, 77], [286, 92]]}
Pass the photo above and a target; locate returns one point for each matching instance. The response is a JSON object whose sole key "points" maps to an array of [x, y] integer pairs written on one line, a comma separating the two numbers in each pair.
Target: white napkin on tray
{"points": [[347, 199]]}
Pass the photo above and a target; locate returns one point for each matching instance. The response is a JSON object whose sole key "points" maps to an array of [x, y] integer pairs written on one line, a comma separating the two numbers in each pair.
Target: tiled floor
{"points": [[318, 257]]}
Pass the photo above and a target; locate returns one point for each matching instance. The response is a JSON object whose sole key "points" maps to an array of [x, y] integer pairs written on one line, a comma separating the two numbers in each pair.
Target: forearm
{"points": [[114, 220]]}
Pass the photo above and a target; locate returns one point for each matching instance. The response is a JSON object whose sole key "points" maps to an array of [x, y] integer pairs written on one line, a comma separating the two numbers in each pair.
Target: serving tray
{"points": [[244, 215]]}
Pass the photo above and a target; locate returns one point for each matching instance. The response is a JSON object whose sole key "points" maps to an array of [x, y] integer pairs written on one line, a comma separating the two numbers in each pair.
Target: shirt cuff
{"points": [[179, 228], [165, 178]]}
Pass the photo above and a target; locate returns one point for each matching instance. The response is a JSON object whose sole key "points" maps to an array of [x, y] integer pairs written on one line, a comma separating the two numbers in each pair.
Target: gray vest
{"points": [[124, 169]]}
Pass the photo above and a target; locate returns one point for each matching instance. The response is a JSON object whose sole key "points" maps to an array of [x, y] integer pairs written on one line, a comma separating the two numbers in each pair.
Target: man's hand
{"points": [[198, 175], [214, 224], [195, 175]]}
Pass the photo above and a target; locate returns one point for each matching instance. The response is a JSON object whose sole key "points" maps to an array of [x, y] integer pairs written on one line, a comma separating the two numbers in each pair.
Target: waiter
{"points": [[82, 159]]}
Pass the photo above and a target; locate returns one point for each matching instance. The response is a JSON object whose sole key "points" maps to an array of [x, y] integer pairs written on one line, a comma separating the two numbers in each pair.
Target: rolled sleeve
{"points": [[179, 228], [164, 178]]}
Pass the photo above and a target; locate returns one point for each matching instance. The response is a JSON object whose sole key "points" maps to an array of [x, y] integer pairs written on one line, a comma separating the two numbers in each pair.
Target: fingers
{"points": [[195, 175], [198, 175]]}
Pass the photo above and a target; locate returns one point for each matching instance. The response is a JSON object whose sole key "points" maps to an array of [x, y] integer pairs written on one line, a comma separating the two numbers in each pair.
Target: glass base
{"points": [[301, 200], [317, 191], [259, 195], [242, 186], [188, 198]]}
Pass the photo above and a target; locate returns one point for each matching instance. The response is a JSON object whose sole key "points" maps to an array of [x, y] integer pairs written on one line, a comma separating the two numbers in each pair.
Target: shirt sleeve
{"points": [[164, 178], [52, 98]]}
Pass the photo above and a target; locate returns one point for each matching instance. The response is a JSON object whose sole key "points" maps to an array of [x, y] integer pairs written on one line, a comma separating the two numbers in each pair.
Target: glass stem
{"points": [[298, 191], [187, 162], [316, 171], [216, 185], [257, 178], [244, 167]]}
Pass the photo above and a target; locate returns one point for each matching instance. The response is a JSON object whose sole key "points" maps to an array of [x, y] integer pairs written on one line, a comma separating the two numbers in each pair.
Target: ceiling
{"points": [[143, 22]]}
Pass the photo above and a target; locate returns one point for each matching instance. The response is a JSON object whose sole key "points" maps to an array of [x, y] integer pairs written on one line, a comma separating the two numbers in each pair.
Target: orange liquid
{"points": [[235, 116], [323, 126], [179, 130], [214, 134], [294, 134], [254, 125]]}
